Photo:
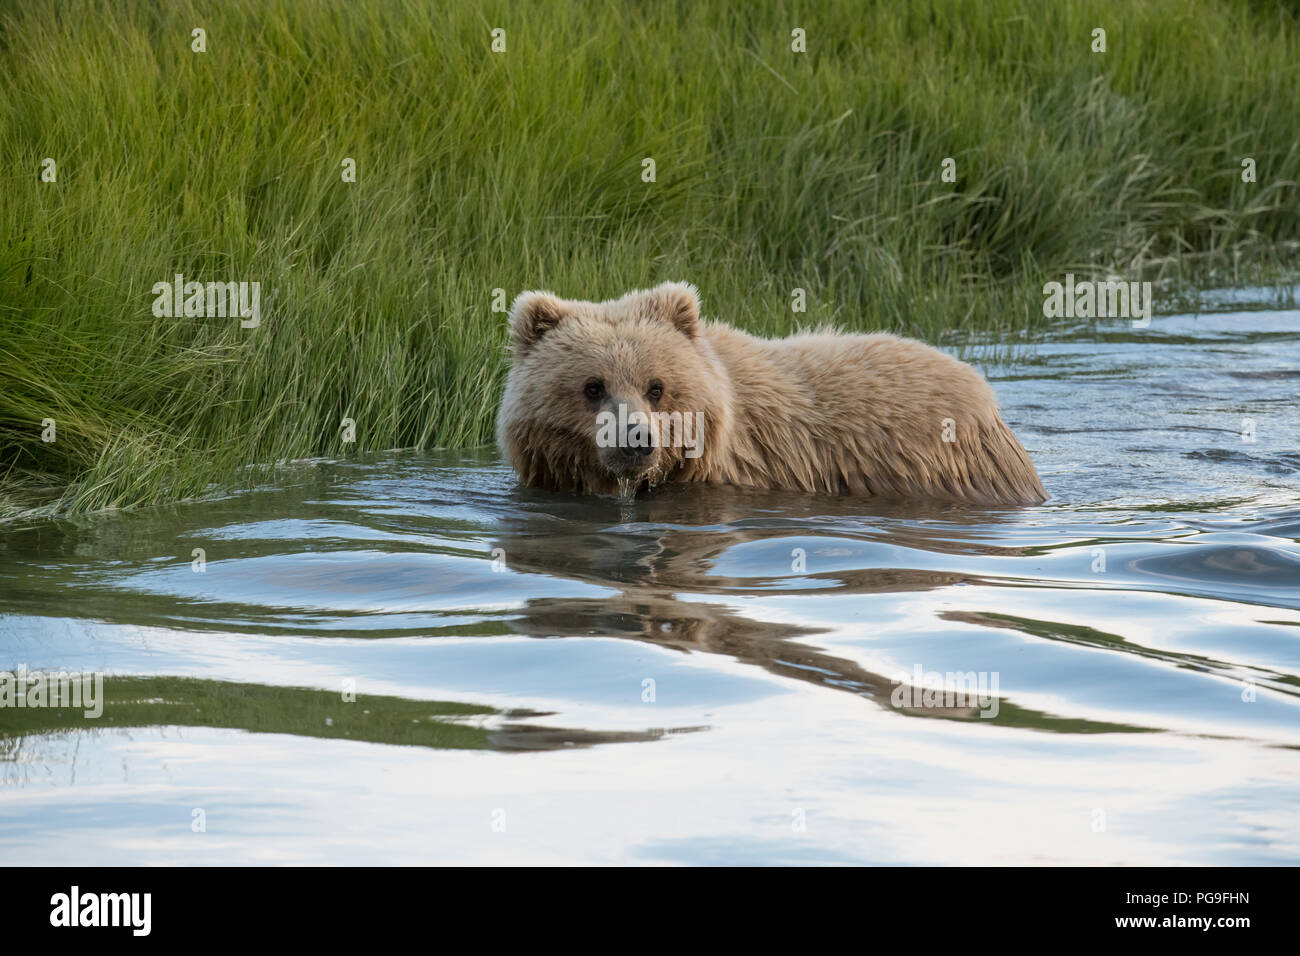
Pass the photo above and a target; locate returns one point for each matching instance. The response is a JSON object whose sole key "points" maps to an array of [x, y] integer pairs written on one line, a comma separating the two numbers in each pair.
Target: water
{"points": [[701, 675]]}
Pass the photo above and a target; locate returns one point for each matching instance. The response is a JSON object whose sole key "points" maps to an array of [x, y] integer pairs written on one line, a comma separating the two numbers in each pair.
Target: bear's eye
{"points": [[594, 389], [656, 392]]}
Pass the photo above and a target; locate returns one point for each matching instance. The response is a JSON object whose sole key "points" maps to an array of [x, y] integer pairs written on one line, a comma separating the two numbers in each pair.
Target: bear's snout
{"points": [[632, 453], [635, 452]]}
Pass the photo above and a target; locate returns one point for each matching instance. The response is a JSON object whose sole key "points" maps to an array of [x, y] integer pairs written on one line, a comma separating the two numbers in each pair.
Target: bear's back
{"points": [[868, 414]]}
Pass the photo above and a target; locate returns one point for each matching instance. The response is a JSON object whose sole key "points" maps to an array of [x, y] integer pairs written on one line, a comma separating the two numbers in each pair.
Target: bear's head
{"points": [[608, 396]]}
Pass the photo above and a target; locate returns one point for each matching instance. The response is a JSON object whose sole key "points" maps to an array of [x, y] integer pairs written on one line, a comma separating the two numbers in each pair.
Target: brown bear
{"points": [[616, 395]]}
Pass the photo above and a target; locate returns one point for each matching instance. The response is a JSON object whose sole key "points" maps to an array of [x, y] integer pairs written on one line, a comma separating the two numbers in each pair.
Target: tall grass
{"points": [[480, 171]]}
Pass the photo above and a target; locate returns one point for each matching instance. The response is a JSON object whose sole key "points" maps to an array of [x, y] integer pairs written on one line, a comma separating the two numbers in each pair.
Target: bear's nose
{"points": [[633, 452], [636, 443]]}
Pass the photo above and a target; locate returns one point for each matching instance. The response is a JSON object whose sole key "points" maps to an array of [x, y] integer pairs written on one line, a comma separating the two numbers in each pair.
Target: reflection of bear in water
{"points": [[820, 412], [671, 548]]}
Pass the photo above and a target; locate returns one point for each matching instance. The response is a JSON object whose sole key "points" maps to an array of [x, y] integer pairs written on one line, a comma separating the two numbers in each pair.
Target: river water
{"points": [[406, 658]]}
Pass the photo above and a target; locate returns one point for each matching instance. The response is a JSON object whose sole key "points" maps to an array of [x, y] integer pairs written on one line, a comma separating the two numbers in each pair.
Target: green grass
{"points": [[481, 171], [128, 702], [257, 708]]}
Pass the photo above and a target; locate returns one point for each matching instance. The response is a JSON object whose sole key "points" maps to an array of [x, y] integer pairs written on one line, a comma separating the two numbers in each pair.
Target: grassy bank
{"points": [[479, 171]]}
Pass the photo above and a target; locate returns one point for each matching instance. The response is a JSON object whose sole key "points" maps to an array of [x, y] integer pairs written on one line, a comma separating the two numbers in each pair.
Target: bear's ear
{"points": [[679, 303], [532, 316]]}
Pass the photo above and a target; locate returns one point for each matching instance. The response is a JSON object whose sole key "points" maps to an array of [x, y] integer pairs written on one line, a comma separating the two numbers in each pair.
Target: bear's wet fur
{"points": [[824, 411]]}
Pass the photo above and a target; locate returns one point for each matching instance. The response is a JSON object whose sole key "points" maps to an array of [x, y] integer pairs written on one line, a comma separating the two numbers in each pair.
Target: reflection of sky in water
{"points": [[771, 626]]}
